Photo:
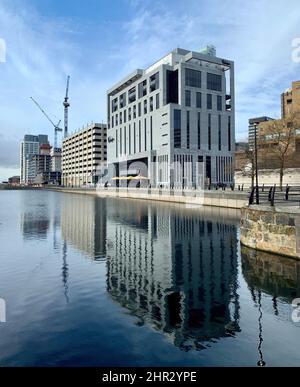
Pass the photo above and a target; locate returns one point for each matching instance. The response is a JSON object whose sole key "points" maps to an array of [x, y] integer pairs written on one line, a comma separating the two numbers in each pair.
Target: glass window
{"points": [[209, 132], [187, 98], [145, 134], [151, 104], [124, 116], [219, 103], [134, 111], [139, 109], [188, 130], [199, 130], [219, 133], [114, 105], [177, 128], [154, 82], [122, 100], [214, 82], [157, 101], [198, 100], [151, 133], [142, 87], [121, 118], [129, 114], [132, 95], [193, 78], [140, 137], [209, 101], [229, 133], [145, 106]]}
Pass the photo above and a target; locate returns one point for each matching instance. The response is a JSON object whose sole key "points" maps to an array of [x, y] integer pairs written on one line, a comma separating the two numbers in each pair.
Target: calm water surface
{"points": [[91, 282]]}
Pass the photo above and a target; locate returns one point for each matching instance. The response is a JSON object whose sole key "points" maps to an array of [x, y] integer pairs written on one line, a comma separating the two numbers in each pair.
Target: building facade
{"points": [[55, 159], [255, 123], [83, 156], [29, 146], [290, 100], [174, 121], [39, 164]]}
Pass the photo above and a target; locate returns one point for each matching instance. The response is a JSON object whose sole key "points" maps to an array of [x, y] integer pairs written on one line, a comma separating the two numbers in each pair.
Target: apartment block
{"points": [[39, 164], [83, 153], [290, 100], [29, 146], [174, 121]]}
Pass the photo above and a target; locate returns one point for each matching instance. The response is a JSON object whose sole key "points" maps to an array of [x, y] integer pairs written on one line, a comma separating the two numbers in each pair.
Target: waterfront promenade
{"points": [[225, 199]]}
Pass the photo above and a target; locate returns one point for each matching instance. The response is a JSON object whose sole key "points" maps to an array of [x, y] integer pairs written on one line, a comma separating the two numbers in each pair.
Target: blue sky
{"points": [[99, 41]]}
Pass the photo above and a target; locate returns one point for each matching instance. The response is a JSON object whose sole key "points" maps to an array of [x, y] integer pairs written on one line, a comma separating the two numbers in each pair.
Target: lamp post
{"points": [[256, 167]]}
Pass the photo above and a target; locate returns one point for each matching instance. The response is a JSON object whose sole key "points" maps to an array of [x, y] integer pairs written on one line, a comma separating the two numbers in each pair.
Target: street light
{"points": [[256, 167]]}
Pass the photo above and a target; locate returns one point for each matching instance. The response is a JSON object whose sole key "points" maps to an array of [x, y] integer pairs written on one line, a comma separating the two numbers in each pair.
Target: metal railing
{"points": [[271, 195]]}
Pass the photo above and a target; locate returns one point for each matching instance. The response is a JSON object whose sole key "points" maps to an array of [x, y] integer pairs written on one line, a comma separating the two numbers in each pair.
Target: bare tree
{"points": [[277, 140]]}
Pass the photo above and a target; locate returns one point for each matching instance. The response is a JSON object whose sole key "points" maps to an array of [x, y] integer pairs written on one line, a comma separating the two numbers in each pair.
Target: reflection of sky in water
{"points": [[92, 281]]}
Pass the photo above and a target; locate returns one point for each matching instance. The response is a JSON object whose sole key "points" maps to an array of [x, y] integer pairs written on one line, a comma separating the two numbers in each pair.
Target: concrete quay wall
{"points": [[229, 199]]}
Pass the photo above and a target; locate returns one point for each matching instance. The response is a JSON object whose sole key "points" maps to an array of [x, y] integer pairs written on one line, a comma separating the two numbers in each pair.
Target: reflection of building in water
{"points": [[83, 224], [174, 269], [35, 223], [275, 275]]}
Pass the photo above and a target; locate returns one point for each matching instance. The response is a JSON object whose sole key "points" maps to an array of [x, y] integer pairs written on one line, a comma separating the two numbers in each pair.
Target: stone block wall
{"points": [[270, 229]]}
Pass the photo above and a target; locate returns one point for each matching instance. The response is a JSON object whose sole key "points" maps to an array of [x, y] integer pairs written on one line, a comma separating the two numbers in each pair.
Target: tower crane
{"points": [[66, 106], [56, 127]]}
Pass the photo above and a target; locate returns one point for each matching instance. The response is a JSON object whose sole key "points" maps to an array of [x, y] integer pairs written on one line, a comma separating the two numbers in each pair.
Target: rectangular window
{"points": [[139, 109], [229, 133], [142, 87], [151, 104], [134, 112], [193, 78], [145, 106], [114, 105], [129, 114], [140, 137], [157, 101], [122, 100], [117, 144], [154, 82], [134, 134], [188, 130], [112, 121], [209, 101], [177, 128], [129, 129], [121, 147], [214, 82], [198, 100], [199, 130], [172, 86], [151, 133], [124, 116], [219, 133], [219, 103], [125, 142], [132, 95], [187, 98], [145, 133], [209, 132], [121, 118], [117, 120]]}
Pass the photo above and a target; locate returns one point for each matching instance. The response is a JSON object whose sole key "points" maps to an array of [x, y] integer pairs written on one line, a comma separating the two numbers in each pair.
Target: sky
{"points": [[98, 42]]}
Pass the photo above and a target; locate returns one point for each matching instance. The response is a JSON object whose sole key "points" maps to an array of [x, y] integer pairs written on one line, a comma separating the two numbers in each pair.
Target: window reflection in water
{"points": [[174, 270]]}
